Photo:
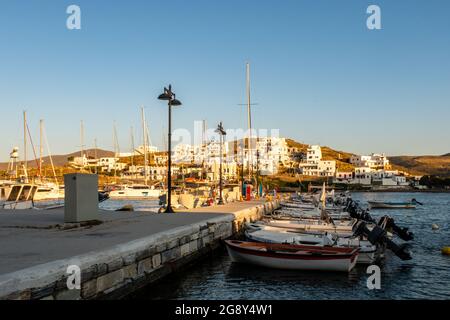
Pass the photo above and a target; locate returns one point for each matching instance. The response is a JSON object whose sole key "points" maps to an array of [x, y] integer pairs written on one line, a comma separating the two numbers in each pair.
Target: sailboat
{"points": [[136, 192], [139, 191], [47, 190], [18, 193]]}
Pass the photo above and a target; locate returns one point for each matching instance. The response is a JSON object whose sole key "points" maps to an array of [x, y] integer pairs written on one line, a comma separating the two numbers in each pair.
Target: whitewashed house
{"points": [[374, 161], [315, 166]]}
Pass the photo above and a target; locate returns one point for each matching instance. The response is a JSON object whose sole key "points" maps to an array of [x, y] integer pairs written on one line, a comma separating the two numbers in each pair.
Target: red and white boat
{"points": [[293, 257]]}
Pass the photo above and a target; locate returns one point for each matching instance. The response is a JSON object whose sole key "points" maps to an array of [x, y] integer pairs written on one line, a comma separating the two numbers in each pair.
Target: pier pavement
{"points": [[125, 250]]}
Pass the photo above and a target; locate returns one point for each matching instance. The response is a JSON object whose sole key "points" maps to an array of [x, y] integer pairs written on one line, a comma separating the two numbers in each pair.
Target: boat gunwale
{"points": [[330, 253]]}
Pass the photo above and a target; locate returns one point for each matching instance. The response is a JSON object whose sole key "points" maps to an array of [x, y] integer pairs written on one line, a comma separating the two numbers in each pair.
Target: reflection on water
{"points": [[138, 205], [427, 276], [112, 205]]}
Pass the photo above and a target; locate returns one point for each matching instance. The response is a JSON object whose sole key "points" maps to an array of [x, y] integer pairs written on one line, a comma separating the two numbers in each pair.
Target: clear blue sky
{"points": [[318, 73]]}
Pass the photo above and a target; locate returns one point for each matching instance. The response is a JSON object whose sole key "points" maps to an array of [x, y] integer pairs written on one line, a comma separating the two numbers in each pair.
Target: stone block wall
{"points": [[122, 269]]}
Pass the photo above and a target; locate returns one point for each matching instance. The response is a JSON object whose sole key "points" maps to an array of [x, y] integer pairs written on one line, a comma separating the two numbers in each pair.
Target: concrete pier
{"points": [[120, 253]]}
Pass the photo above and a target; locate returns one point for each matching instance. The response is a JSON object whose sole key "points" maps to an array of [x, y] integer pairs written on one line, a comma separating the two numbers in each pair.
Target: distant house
{"points": [[315, 166], [374, 161]]}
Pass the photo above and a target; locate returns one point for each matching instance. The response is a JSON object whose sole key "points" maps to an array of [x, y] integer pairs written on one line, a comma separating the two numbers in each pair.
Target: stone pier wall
{"points": [[125, 268]]}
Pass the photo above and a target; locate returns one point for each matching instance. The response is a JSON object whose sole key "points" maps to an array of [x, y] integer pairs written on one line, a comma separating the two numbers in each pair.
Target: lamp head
{"points": [[175, 103]]}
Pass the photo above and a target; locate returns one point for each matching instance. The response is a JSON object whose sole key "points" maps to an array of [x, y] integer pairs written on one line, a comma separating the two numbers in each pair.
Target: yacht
{"points": [[137, 192], [49, 191]]}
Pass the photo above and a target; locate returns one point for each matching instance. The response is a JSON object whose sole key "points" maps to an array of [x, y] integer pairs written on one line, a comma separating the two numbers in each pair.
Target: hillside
{"points": [[342, 158], [424, 165], [61, 160], [416, 165]]}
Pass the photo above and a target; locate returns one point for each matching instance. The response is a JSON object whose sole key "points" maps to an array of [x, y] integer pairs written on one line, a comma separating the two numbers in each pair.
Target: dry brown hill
{"points": [[424, 165]]}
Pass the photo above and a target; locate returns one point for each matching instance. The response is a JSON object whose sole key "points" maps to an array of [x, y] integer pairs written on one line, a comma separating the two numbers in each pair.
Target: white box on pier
{"points": [[81, 197]]}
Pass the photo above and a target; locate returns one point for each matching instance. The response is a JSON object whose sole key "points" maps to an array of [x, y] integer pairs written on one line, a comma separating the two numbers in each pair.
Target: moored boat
{"points": [[394, 205], [138, 192], [17, 196], [368, 253], [292, 257]]}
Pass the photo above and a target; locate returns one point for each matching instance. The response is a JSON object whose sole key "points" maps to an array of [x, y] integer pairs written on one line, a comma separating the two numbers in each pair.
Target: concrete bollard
{"points": [[81, 197]]}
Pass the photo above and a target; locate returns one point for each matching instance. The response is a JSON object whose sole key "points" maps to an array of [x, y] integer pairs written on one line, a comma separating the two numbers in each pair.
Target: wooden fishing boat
{"points": [[292, 257], [368, 253]]}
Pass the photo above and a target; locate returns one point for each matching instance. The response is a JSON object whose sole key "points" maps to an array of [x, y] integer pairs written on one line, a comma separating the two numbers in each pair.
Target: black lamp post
{"points": [[170, 97], [222, 133]]}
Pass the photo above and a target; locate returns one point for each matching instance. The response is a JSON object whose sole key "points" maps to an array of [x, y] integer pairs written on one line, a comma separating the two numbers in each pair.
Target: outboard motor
{"points": [[389, 223], [378, 236], [355, 212], [102, 196]]}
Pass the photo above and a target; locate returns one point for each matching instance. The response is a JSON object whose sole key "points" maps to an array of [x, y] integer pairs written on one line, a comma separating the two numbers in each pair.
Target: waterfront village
{"points": [[266, 157]]}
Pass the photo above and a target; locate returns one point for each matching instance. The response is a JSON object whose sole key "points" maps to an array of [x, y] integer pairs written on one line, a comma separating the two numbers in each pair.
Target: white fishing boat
{"points": [[292, 257], [394, 205], [137, 192], [312, 214], [17, 196], [262, 226], [368, 253], [313, 225], [48, 191]]}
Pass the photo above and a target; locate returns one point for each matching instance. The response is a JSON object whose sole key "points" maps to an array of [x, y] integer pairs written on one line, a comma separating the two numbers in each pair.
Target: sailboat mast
{"points": [[41, 148], [116, 148], [44, 135], [82, 141], [249, 118], [132, 146], [95, 154], [25, 146], [144, 132]]}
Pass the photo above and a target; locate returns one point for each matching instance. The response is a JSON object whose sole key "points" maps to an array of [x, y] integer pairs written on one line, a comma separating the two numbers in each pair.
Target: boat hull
{"points": [[368, 253], [275, 260], [387, 205], [135, 194]]}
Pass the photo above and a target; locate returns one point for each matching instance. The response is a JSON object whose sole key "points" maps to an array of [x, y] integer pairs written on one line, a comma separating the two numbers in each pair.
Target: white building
{"points": [[266, 154], [374, 161], [368, 176], [315, 166], [79, 162], [109, 164]]}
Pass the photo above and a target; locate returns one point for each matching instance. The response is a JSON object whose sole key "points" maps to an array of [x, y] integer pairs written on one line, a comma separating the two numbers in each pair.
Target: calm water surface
{"points": [[427, 276]]}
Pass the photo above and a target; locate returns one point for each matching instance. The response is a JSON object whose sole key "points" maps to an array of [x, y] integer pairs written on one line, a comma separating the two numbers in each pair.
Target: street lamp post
{"points": [[170, 97], [222, 133]]}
